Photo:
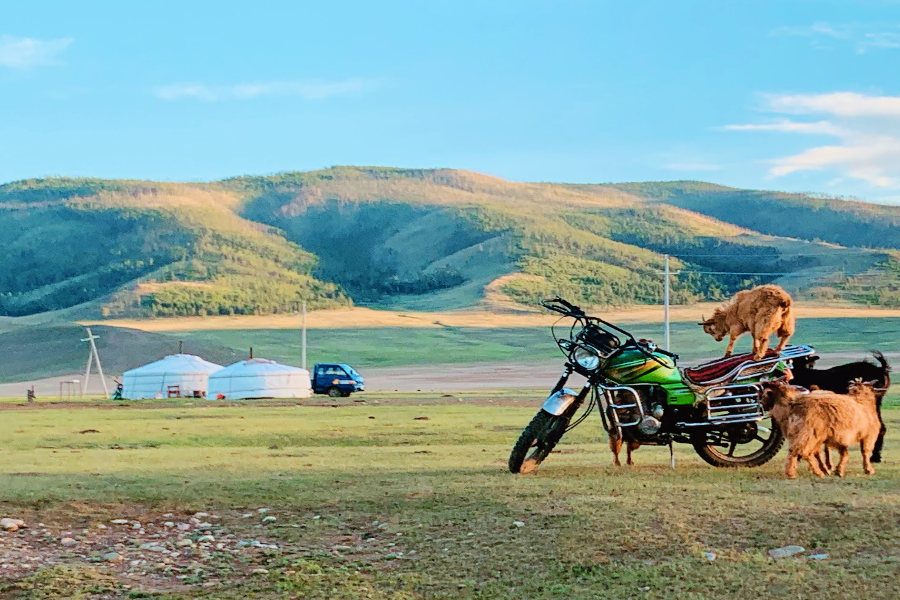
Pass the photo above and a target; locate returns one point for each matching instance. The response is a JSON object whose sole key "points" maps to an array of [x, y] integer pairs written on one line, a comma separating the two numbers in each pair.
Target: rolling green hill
{"points": [[422, 239], [146, 248]]}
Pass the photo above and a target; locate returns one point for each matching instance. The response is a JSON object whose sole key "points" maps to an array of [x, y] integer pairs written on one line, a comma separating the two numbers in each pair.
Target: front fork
{"points": [[564, 400], [561, 398]]}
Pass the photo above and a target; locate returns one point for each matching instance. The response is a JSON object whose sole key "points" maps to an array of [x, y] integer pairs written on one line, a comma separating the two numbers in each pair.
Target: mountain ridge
{"points": [[423, 239]]}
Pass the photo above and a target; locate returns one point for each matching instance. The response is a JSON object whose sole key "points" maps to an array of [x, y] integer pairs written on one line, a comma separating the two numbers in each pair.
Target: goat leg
{"points": [[842, 463], [790, 467], [879, 443], [865, 446], [615, 444], [815, 461], [730, 347]]}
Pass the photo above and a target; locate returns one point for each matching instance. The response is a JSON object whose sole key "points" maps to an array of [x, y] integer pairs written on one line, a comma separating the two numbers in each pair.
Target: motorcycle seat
{"points": [[721, 369]]}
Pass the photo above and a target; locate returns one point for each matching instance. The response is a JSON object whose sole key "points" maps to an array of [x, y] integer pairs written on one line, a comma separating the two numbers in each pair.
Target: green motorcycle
{"points": [[643, 396]]}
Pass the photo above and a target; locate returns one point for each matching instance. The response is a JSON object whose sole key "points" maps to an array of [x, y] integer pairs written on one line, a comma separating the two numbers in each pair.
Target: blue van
{"points": [[336, 379]]}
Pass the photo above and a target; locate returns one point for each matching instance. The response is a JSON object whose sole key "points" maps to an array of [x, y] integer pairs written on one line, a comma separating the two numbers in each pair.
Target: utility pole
{"points": [[92, 356], [303, 337], [666, 303]]}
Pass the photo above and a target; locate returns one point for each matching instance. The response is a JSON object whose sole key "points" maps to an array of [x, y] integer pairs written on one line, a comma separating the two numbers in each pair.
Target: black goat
{"points": [[838, 379]]}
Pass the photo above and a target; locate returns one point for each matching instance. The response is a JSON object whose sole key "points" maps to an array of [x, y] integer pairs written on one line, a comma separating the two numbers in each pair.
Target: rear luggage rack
{"points": [[733, 404]]}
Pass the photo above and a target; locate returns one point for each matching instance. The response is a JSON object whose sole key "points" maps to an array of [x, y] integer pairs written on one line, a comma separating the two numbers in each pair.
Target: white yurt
{"points": [[178, 375], [259, 378]]}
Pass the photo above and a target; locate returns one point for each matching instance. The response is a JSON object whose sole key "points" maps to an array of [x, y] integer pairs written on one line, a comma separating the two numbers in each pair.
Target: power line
{"points": [[725, 273], [780, 255], [733, 273]]}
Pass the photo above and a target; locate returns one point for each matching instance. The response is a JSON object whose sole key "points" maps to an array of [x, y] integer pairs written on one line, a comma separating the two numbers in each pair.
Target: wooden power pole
{"points": [[92, 356]]}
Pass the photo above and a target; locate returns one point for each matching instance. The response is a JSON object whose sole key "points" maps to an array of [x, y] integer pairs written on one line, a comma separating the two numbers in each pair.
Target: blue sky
{"points": [[791, 95]]}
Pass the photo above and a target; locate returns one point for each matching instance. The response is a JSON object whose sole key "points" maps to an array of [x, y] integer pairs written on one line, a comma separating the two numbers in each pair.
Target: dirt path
{"points": [[366, 317]]}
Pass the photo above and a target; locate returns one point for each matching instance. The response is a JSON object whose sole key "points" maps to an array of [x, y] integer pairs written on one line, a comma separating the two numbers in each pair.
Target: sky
{"points": [[795, 95]]}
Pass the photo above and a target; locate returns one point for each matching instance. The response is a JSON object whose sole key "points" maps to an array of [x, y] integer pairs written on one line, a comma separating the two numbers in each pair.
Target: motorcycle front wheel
{"points": [[537, 442], [740, 445]]}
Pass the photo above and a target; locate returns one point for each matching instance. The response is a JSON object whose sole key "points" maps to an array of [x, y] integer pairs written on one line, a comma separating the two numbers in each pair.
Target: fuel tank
{"points": [[633, 366]]}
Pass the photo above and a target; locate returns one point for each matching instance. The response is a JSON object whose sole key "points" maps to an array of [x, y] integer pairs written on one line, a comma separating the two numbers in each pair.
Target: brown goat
{"points": [[615, 445], [762, 311], [811, 420]]}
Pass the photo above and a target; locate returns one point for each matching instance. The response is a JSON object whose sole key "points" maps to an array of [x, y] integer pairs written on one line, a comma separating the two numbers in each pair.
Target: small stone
{"points": [[11, 524], [101, 526], [169, 524], [518, 524], [259, 572], [316, 518], [183, 526], [246, 515], [155, 548], [184, 542], [204, 525], [206, 538], [710, 556], [262, 510], [819, 556], [268, 519], [67, 542], [785, 551], [119, 521], [137, 526], [201, 515], [113, 557]]}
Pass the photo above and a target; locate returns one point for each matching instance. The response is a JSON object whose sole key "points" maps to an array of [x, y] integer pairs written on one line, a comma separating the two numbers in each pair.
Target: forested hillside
{"points": [[148, 249], [416, 238]]}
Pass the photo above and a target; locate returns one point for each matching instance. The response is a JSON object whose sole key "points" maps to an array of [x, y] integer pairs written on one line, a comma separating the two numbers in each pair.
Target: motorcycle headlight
{"points": [[586, 358]]}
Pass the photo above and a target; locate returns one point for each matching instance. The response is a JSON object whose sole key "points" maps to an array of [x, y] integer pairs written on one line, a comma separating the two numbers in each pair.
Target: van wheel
{"points": [[334, 392]]}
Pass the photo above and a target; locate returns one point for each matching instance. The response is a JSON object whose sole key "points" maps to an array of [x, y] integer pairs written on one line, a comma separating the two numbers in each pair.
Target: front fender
{"points": [[559, 402]]}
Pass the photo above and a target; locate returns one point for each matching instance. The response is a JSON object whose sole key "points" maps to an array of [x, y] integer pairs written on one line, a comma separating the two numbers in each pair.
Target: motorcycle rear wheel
{"points": [[752, 456], [537, 441]]}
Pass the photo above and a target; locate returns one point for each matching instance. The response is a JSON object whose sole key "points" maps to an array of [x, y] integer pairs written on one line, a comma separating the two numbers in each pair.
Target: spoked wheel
{"points": [[537, 442], [739, 445]]}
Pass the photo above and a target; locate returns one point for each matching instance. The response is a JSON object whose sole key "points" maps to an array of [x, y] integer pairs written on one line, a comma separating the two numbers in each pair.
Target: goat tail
{"points": [[882, 360]]}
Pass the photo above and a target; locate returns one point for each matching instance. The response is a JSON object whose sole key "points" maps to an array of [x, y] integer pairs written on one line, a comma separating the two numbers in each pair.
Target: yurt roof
{"points": [[256, 366], [177, 363]]}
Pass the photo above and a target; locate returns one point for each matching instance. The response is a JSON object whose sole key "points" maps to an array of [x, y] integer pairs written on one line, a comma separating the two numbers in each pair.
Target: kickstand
{"points": [[671, 455]]}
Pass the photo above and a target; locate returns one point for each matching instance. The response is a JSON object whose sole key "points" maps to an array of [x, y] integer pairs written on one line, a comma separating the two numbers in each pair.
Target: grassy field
{"points": [[393, 346], [55, 350], [371, 500]]}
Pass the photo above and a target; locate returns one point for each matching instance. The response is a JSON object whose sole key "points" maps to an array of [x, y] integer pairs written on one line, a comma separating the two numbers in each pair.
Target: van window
{"points": [[335, 371]]}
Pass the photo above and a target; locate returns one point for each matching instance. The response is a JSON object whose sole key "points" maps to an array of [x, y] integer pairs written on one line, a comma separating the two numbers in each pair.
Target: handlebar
{"points": [[570, 310]]}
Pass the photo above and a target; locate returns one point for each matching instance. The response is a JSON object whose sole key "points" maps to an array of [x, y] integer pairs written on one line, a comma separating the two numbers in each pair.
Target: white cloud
{"points": [[785, 126], [307, 90], [842, 104], [860, 36], [866, 129], [23, 53]]}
